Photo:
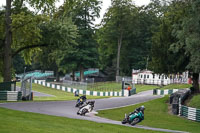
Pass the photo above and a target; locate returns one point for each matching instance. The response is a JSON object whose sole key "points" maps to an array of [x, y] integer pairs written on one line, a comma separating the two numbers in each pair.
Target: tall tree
{"points": [[44, 5], [187, 32], [115, 26], [83, 14], [176, 45]]}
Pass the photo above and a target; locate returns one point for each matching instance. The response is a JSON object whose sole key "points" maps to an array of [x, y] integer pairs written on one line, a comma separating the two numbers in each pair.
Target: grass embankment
{"points": [[58, 95], [176, 86], [23, 122], [156, 115], [194, 101]]}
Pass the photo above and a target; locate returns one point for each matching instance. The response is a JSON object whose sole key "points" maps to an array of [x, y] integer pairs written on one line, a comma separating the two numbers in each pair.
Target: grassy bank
{"points": [[176, 86], [24, 122], [194, 101], [156, 115]]}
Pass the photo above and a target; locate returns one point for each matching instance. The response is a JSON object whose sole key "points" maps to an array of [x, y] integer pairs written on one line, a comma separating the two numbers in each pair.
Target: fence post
{"points": [[179, 111]]}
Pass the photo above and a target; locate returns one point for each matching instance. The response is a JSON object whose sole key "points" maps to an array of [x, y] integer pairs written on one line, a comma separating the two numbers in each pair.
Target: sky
{"points": [[105, 5]]}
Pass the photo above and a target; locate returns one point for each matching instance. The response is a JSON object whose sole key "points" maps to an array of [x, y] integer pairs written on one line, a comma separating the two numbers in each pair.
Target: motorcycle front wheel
{"points": [[124, 121]]}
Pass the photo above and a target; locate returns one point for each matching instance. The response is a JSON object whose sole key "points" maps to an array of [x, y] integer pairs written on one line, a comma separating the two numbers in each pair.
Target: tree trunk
{"points": [[57, 75], [195, 82], [118, 53], [73, 75], [8, 41], [81, 74]]}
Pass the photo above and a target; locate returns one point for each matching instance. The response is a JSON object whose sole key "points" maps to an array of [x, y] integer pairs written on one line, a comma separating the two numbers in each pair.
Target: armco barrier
{"points": [[190, 113], [164, 92], [187, 112], [10, 95], [84, 92]]}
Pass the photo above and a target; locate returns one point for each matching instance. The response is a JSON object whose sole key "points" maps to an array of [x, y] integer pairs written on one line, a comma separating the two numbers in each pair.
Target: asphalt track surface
{"points": [[67, 108]]}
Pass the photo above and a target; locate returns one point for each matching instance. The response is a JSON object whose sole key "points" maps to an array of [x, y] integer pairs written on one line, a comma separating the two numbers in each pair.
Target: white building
{"points": [[149, 77]]}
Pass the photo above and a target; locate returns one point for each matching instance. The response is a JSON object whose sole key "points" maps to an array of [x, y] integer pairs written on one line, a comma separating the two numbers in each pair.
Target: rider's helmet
{"points": [[142, 108]]}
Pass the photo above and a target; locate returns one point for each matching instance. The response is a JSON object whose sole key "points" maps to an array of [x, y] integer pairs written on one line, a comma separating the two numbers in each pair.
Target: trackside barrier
{"points": [[190, 113], [184, 111], [10, 95], [84, 92], [165, 92]]}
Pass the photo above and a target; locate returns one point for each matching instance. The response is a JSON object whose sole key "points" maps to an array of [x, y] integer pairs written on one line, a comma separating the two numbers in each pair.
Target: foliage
{"points": [[156, 115], [137, 24], [59, 35], [175, 47], [25, 33], [83, 13]]}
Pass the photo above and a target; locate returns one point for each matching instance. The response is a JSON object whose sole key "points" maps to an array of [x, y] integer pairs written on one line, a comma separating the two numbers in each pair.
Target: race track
{"points": [[67, 108]]}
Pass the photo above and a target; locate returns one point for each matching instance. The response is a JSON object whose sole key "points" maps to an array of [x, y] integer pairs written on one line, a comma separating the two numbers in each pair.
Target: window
{"points": [[147, 76], [141, 76]]}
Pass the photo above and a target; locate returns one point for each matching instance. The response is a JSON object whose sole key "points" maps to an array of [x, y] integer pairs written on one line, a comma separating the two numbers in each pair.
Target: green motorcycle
{"points": [[133, 118]]}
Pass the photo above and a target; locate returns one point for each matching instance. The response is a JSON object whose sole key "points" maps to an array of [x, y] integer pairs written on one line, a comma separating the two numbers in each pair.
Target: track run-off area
{"points": [[67, 108]]}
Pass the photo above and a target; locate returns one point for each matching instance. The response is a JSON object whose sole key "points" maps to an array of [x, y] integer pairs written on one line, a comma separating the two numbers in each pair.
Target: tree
{"points": [[83, 13], [45, 6], [60, 35], [187, 32], [137, 24], [115, 26], [176, 43]]}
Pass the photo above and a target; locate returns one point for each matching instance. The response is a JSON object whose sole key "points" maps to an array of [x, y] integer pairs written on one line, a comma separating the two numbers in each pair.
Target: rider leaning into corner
{"points": [[141, 108]]}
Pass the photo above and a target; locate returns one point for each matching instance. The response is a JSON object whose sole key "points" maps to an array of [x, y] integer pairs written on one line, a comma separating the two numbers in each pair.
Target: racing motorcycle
{"points": [[86, 108], [80, 101], [133, 118]]}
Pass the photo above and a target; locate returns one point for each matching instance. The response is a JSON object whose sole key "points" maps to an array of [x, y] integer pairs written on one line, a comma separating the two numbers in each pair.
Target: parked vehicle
{"points": [[80, 101], [133, 118], [86, 108]]}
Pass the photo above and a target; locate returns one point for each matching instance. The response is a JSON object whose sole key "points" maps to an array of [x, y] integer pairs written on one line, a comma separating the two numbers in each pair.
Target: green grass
{"points": [[58, 95], [105, 86], [140, 88], [176, 86], [113, 86], [23, 122], [195, 101], [156, 115]]}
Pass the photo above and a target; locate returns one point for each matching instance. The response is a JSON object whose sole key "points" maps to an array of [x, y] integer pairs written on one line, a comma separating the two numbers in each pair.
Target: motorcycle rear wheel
{"points": [[84, 111], [135, 121]]}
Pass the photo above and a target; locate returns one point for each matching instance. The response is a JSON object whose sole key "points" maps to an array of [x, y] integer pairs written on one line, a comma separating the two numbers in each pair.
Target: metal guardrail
{"points": [[190, 113]]}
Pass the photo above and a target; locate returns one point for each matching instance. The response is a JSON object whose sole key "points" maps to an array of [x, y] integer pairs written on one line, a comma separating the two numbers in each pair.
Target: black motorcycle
{"points": [[81, 101]]}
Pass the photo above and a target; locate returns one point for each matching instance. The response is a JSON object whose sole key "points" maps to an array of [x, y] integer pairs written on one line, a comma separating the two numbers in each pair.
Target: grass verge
{"points": [[58, 95], [195, 101], [156, 115], [23, 122], [176, 86]]}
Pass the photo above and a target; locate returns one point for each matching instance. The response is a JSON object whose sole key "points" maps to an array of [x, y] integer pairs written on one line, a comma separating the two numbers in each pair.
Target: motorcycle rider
{"points": [[141, 108], [83, 97]]}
